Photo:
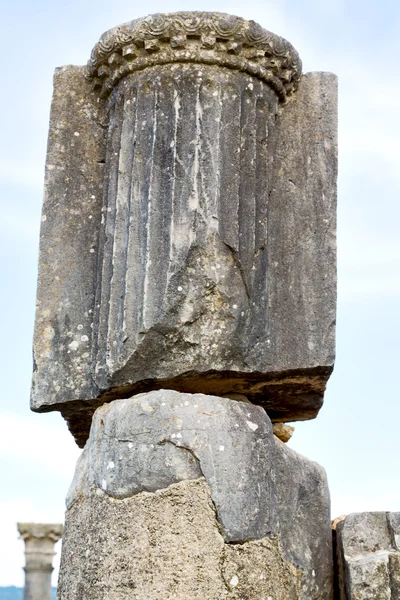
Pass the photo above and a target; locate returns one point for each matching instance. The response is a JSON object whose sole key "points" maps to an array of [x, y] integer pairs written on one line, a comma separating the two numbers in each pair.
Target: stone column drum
{"points": [[191, 496], [188, 228], [39, 541]]}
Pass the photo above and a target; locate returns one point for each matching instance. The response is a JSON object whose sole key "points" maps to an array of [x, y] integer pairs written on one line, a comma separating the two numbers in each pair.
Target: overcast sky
{"points": [[356, 435]]}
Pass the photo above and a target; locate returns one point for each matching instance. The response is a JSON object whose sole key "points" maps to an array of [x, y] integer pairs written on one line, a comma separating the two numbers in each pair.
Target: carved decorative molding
{"points": [[52, 531], [199, 37]]}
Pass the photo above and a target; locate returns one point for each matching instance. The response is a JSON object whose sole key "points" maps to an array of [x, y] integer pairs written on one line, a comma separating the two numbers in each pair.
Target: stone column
{"points": [[39, 541], [186, 301], [188, 229]]}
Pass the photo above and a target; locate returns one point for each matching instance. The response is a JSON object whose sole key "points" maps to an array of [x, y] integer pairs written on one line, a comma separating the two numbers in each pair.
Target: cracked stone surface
{"points": [[261, 493], [152, 440], [368, 556], [158, 265]]}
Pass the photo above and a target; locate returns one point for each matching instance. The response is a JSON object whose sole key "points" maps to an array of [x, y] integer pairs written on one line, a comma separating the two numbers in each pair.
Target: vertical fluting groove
{"points": [[195, 205], [209, 144], [176, 109], [184, 204], [239, 172], [121, 232], [113, 222], [147, 302], [247, 181], [218, 158], [258, 273], [136, 259], [101, 243], [161, 199], [109, 226], [128, 221], [262, 175], [215, 154], [229, 168]]}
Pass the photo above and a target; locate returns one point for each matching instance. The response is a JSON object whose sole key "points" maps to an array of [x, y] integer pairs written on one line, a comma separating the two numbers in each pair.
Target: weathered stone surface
{"points": [[368, 556], [259, 570], [303, 519], [152, 440], [68, 241], [39, 541], [140, 448], [195, 37], [283, 431], [165, 545], [214, 233]]}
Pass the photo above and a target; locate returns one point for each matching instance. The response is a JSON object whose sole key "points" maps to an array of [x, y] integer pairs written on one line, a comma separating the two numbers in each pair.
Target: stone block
{"points": [[303, 519], [153, 440], [187, 477], [367, 556], [188, 235]]}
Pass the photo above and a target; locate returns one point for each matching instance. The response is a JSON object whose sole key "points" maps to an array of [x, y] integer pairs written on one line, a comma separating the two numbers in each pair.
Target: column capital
{"points": [[39, 541], [195, 37], [38, 531]]}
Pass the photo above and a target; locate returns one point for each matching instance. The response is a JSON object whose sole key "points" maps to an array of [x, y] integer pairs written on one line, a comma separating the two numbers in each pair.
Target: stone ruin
{"points": [[186, 311], [39, 541]]}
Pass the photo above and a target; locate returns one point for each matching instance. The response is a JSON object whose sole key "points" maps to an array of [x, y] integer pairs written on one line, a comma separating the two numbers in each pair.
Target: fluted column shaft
{"points": [[185, 205]]}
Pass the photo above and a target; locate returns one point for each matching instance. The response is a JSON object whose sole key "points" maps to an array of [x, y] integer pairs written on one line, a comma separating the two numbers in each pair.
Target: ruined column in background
{"points": [[39, 541], [186, 300], [188, 228]]}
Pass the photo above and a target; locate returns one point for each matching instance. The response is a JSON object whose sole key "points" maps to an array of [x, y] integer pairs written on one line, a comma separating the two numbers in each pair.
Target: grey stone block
{"points": [[259, 487], [368, 560], [153, 440], [303, 519], [71, 219], [188, 236]]}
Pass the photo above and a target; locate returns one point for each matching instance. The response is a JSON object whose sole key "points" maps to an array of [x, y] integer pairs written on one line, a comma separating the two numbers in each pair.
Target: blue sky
{"points": [[356, 434]]}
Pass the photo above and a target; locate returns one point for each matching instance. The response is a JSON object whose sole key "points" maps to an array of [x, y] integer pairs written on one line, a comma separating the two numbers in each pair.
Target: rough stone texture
{"points": [[164, 545], [283, 431], [303, 519], [39, 541], [153, 440], [164, 438], [368, 556], [71, 219], [214, 233]]}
